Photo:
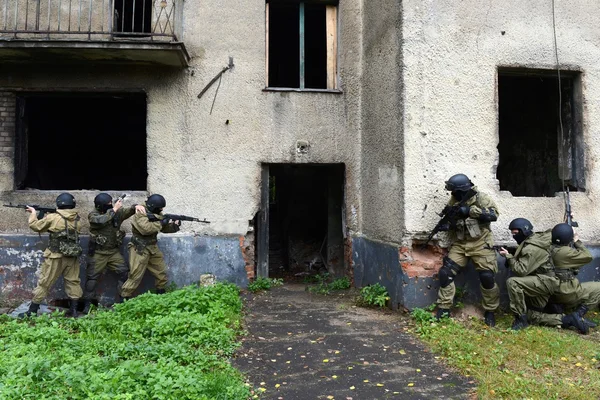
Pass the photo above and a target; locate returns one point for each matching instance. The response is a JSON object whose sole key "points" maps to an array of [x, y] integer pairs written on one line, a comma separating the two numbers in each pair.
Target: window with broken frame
{"points": [[536, 156], [301, 44]]}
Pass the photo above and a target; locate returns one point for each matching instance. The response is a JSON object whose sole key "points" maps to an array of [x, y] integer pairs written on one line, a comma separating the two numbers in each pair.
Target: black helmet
{"points": [[156, 203], [103, 202], [521, 224], [562, 234], [459, 182], [65, 201], [524, 227]]}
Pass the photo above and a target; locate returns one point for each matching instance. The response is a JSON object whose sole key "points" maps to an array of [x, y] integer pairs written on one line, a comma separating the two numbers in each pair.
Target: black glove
{"points": [[445, 227], [463, 211]]}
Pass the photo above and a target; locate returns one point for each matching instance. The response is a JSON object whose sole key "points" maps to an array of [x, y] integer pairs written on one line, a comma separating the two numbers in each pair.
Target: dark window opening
{"points": [[301, 44], [535, 158], [305, 220], [133, 16], [75, 141]]}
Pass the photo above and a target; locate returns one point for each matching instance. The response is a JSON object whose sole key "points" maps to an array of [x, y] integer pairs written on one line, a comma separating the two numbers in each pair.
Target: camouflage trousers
{"points": [[97, 264], [484, 260], [533, 290], [151, 259], [51, 270]]}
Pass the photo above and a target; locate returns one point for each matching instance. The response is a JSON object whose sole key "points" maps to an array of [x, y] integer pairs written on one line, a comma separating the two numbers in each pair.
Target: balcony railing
{"points": [[90, 20]]}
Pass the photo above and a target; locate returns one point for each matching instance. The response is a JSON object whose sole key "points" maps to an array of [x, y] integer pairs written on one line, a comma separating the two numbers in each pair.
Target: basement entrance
{"points": [[300, 223]]}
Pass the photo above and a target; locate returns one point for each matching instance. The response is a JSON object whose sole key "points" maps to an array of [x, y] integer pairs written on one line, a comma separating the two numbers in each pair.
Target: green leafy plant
{"points": [[326, 288], [261, 283], [422, 315], [175, 345], [373, 295]]}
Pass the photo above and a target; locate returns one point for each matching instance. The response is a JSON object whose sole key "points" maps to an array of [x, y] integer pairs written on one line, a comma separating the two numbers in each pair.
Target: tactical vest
{"points": [[469, 226], [564, 274], [548, 267], [65, 242], [140, 242], [107, 236]]}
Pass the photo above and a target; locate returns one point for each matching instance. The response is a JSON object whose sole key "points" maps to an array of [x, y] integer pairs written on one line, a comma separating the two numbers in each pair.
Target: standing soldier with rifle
{"points": [[62, 255], [143, 249], [467, 219], [106, 238]]}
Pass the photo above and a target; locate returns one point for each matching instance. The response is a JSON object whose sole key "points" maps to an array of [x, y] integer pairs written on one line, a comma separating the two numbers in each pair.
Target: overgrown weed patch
{"points": [[171, 346]]}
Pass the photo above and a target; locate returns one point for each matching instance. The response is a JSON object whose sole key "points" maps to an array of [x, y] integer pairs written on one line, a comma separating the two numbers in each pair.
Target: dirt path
{"points": [[305, 346]]}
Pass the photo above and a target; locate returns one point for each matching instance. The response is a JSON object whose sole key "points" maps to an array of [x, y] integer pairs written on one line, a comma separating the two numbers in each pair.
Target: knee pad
{"points": [[90, 285], [448, 271], [487, 279]]}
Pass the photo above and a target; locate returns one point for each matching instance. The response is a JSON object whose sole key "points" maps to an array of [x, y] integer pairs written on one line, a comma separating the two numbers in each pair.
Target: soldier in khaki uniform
{"points": [[534, 279], [106, 237], [571, 294], [472, 239], [143, 249], [62, 255]]}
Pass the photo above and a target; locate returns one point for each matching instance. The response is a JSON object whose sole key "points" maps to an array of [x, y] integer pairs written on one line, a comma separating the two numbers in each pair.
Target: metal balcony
{"points": [[92, 31]]}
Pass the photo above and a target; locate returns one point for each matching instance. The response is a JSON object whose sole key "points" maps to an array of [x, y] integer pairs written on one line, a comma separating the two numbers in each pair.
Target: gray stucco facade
{"points": [[415, 101]]}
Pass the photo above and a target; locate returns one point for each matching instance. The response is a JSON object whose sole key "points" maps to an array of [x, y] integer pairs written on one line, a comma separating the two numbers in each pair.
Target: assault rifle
{"points": [[568, 214], [175, 217], [42, 211], [449, 215]]}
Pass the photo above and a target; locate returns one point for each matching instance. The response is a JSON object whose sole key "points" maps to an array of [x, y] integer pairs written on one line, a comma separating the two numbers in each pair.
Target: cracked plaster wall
{"points": [[451, 54], [203, 166]]}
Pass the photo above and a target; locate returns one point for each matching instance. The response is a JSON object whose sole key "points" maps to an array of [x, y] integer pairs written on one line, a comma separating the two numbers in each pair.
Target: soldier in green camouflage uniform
{"points": [[571, 294], [62, 255], [143, 248], [534, 279], [472, 239], [106, 238]]}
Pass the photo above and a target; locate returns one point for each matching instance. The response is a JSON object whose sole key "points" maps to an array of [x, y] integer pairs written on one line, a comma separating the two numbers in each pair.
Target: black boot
{"points": [[520, 322], [489, 318], [160, 291], [87, 304], [33, 309], [590, 324], [442, 313], [575, 320], [72, 309], [582, 310]]}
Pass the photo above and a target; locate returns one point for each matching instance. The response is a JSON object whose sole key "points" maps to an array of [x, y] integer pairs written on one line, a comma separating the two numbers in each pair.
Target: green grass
{"points": [[534, 363], [171, 346], [324, 287]]}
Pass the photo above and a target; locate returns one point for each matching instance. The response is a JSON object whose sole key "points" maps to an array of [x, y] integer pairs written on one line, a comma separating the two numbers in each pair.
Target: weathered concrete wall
{"points": [[187, 258], [204, 166], [452, 51], [382, 142]]}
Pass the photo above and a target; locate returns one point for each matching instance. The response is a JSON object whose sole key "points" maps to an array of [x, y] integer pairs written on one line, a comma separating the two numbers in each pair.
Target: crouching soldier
{"points": [[106, 238], [572, 294], [62, 255], [534, 279], [143, 248]]}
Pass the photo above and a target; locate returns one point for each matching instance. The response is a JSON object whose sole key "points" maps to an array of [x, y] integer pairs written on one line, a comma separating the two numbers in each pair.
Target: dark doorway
{"points": [[305, 216], [76, 141], [536, 156]]}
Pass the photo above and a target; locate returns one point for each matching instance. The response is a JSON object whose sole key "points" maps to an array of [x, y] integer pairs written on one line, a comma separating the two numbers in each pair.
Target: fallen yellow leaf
{"points": [[563, 358], [352, 388], [350, 367], [326, 360], [418, 370], [380, 384], [262, 389], [262, 383], [334, 376], [411, 384], [330, 397], [366, 381], [337, 352], [402, 352], [578, 365], [287, 362], [277, 385]]}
